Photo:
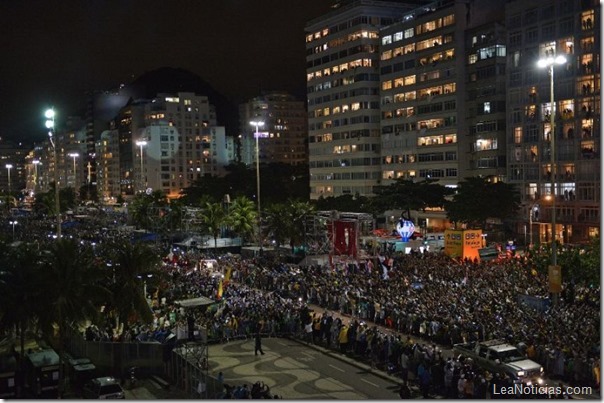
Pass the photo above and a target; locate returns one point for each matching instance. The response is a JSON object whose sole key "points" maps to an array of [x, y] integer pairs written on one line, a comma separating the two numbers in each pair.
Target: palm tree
{"points": [[242, 217], [285, 222], [297, 212], [20, 292], [213, 217], [73, 292], [144, 209], [174, 216], [134, 265], [277, 222]]}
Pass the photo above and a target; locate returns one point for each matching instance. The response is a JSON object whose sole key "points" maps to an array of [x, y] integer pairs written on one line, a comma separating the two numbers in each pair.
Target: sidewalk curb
{"points": [[352, 362]]}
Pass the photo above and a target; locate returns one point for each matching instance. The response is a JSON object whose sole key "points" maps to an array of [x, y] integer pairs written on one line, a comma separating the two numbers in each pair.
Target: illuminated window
{"points": [[450, 138], [410, 80], [518, 135], [587, 20], [387, 55]]}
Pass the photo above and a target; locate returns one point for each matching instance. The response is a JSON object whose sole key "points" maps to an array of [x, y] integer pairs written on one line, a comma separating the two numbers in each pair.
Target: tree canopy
{"points": [[478, 199]]}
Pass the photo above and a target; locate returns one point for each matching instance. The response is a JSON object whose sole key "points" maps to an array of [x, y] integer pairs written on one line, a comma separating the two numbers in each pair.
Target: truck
{"points": [[499, 356], [42, 378]]}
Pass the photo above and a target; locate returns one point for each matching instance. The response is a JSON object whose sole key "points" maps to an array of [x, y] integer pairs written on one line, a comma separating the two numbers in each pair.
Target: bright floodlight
{"points": [[549, 61], [9, 166], [74, 155], [49, 114], [141, 143], [257, 123], [50, 124]]}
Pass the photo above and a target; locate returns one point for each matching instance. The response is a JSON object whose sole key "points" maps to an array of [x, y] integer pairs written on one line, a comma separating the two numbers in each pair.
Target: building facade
{"points": [[460, 95], [284, 138], [540, 30], [343, 90], [165, 143]]}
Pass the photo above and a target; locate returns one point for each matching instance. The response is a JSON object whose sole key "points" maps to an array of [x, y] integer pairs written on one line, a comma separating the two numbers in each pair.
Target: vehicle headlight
{"points": [[521, 373], [540, 381], [529, 383], [541, 369]]}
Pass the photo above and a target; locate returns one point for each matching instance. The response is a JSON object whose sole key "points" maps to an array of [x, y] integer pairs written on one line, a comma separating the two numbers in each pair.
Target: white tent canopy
{"points": [[193, 302]]}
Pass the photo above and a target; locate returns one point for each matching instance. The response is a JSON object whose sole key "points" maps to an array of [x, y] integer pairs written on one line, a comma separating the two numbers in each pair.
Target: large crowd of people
{"points": [[422, 297], [398, 305]]}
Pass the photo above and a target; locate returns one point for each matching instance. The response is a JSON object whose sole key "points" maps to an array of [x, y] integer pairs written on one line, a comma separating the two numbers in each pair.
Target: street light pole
{"points": [[531, 214], [50, 124], [554, 270], [13, 223], [8, 167], [258, 124], [36, 163], [531, 211], [74, 156], [141, 144]]}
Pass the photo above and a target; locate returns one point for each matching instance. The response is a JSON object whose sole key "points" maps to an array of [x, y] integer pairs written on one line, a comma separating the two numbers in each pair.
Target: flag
{"points": [[227, 276], [219, 293]]}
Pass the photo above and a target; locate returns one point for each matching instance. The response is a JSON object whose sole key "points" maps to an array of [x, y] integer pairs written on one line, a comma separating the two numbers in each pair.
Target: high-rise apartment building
{"points": [[108, 166], [460, 95], [343, 90], [429, 110], [484, 137], [165, 143], [541, 29], [284, 138]]}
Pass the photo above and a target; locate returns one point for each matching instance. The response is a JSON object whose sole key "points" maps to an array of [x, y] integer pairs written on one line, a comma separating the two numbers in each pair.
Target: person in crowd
{"points": [[258, 344]]}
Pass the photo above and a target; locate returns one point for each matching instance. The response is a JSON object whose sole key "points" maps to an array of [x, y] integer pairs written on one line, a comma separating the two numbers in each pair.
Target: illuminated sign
{"points": [[463, 243]]}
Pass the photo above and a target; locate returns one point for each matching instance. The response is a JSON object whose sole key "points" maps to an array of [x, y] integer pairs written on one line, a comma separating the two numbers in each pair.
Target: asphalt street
{"points": [[295, 371]]}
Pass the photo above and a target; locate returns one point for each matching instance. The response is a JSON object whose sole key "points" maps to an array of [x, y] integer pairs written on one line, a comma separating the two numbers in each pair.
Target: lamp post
{"points": [[549, 63], [89, 177], [36, 163], [531, 215], [531, 212], [8, 168], [50, 124], [74, 156], [13, 223], [141, 144], [258, 124]]}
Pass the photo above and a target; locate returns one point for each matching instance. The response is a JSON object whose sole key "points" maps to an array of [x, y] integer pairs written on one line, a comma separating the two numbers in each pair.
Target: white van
{"points": [[435, 241]]}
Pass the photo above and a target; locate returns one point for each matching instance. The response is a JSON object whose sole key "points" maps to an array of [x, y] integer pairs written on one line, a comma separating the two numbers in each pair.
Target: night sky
{"points": [[55, 51]]}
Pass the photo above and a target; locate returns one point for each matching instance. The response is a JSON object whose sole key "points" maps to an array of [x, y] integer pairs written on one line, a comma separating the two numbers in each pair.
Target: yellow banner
{"points": [[463, 243], [454, 243], [554, 274]]}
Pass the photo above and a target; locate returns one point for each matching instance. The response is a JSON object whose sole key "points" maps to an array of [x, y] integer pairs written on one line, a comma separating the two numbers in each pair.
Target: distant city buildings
{"points": [[284, 134], [449, 90], [440, 90], [343, 86]]}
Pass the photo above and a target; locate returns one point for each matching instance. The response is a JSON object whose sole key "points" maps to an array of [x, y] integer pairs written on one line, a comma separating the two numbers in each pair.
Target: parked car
{"points": [[106, 387], [499, 356]]}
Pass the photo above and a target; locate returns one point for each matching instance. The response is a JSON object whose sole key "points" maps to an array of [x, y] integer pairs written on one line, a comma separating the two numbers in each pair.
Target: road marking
{"points": [[334, 367], [307, 354], [283, 344], [371, 383]]}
